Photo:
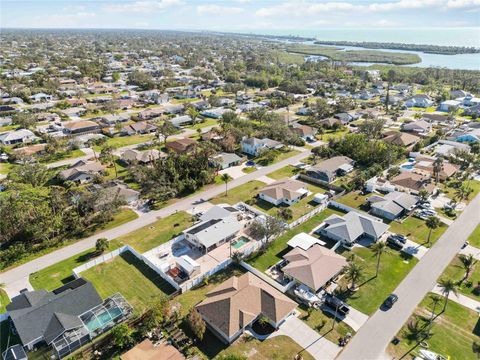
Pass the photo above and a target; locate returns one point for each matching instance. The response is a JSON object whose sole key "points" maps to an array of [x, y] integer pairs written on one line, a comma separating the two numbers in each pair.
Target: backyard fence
{"points": [[198, 280], [267, 279], [307, 216], [341, 206]]}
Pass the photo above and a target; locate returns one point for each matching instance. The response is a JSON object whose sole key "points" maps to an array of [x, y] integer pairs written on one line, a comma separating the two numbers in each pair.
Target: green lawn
{"points": [[353, 199], [62, 156], [121, 141], [279, 348], [333, 134], [456, 272], [205, 123], [6, 167], [450, 192], [373, 291], [416, 230], [322, 322], [285, 172], [454, 332], [281, 154], [249, 169], [299, 209], [474, 238], [131, 277], [4, 301], [277, 248], [142, 240], [240, 193], [123, 216]]}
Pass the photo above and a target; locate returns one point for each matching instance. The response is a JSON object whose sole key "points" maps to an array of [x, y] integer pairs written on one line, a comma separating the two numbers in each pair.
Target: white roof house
{"points": [[17, 136], [304, 241]]}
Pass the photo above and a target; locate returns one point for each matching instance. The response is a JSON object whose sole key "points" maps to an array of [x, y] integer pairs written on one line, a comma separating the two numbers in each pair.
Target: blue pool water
{"points": [[240, 242], [104, 318]]}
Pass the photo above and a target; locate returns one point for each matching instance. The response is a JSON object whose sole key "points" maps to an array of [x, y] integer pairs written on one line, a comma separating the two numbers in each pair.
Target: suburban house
{"points": [[225, 160], [400, 138], [238, 302], [314, 267], [112, 119], [32, 150], [141, 127], [286, 192], [425, 166], [419, 100], [216, 226], [150, 114], [82, 171], [254, 146], [182, 146], [179, 121], [39, 97], [352, 227], [393, 205], [448, 105], [80, 127], [469, 136], [378, 184], [419, 127], [115, 191], [17, 136], [412, 183], [445, 148], [304, 131], [131, 156], [215, 113], [329, 169], [64, 318], [329, 122]]}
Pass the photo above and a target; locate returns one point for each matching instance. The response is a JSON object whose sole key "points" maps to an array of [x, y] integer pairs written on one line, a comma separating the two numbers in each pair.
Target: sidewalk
{"points": [[460, 299]]}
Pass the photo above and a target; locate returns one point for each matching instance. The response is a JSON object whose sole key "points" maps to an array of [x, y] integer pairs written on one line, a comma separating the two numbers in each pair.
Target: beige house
{"points": [[238, 302], [314, 267], [286, 191]]}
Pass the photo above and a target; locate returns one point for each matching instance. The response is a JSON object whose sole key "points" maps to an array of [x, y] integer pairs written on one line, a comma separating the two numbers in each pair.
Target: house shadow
{"points": [[476, 329]]}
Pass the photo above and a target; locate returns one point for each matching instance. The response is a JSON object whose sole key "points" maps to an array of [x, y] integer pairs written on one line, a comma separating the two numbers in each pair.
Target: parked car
{"points": [[336, 304], [465, 244], [394, 243], [399, 237], [250, 163], [426, 206], [429, 212], [389, 301]]}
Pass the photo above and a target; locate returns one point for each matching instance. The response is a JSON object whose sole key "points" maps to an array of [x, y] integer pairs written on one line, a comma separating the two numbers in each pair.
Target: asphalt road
{"points": [[372, 338], [17, 278]]}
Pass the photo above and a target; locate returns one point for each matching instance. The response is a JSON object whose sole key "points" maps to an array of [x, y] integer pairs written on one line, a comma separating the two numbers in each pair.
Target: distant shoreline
{"points": [[428, 49]]}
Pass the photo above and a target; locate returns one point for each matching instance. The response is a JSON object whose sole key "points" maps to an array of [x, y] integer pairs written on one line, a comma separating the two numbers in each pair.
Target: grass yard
{"points": [[142, 240], [322, 322], [279, 348], [474, 238], [131, 277], [285, 172], [299, 209], [455, 332], [353, 199], [62, 156], [249, 169], [277, 248], [280, 155], [373, 291], [5, 168], [200, 125], [123, 216], [416, 230], [333, 134], [121, 141], [4, 300], [240, 193], [450, 192], [456, 272]]}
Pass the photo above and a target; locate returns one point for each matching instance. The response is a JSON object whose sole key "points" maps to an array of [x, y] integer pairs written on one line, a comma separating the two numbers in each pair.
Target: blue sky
{"points": [[240, 15]]}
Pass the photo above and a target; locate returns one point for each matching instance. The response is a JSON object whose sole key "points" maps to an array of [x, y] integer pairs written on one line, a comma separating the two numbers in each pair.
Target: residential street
{"points": [[372, 339], [16, 279]]}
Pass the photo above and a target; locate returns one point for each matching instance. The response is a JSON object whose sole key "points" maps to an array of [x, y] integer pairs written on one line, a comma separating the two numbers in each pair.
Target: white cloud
{"points": [[63, 20], [218, 9], [145, 6], [459, 4], [403, 5], [303, 8]]}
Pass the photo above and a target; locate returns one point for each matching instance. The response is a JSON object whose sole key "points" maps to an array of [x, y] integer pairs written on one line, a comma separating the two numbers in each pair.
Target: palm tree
{"points": [[417, 332], [193, 113], [378, 249], [468, 263], [432, 223], [437, 168], [423, 195], [353, 273], [447, 287], [225, 178]]}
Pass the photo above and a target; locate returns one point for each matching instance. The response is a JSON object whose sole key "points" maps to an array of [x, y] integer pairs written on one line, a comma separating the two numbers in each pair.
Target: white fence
{"points": [[267, 279], [307, 216], [165, 247], [194, 282]]}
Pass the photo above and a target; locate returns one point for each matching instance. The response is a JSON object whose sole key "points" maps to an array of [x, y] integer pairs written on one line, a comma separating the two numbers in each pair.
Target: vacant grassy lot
{"points": [[62, 156], [121, 141], [279, 347], [353, 199], [455, 271], [474, 238], [333, 134], [373, 290], [123, 216], [142, 240], [131, 277], [285, 172], [240, 193], [278, 247], [455, 332], [416, 230], [4, 301]]}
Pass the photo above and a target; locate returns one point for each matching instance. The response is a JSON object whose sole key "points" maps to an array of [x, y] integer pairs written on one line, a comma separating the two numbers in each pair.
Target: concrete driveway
{"points": [[311, 341], [355, 319], [235, 171]]}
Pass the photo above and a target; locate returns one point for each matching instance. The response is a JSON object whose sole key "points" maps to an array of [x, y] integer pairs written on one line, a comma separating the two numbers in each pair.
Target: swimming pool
{"points": [[242, 240], [102, 319], [407, 166]]}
